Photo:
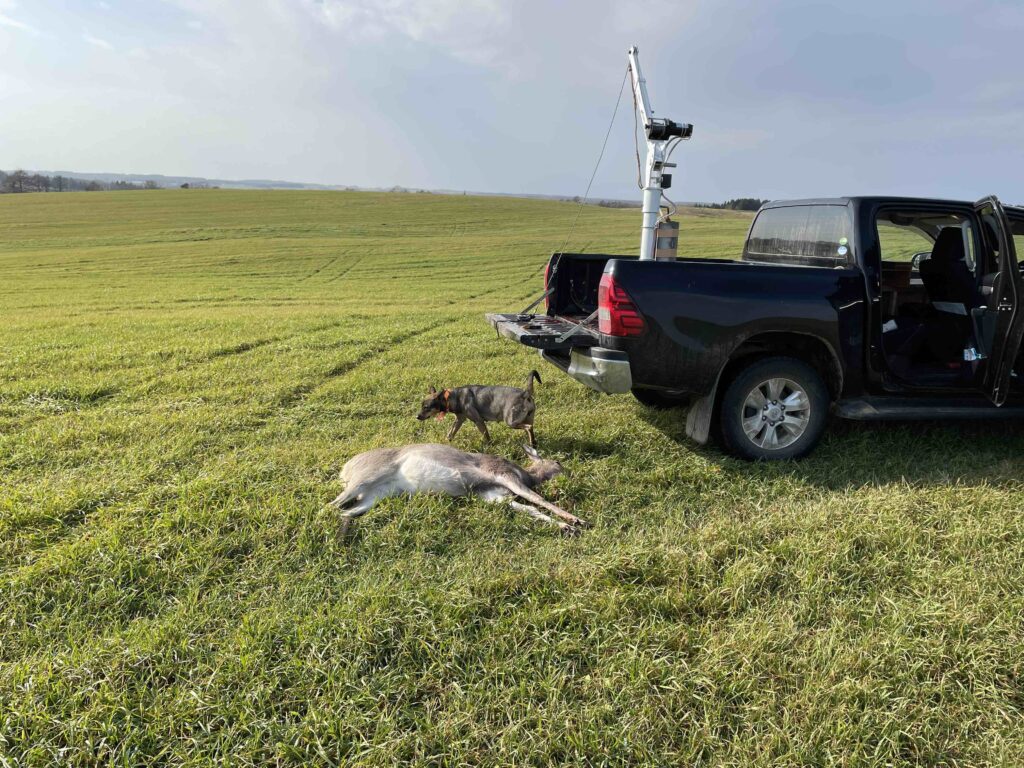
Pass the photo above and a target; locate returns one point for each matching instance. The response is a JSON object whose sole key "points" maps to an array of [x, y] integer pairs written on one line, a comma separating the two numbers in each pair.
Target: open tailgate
{"points": [[546, 332]]}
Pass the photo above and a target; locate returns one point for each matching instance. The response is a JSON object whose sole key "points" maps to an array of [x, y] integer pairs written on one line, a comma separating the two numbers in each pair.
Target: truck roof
{"points": [[858, 199]]}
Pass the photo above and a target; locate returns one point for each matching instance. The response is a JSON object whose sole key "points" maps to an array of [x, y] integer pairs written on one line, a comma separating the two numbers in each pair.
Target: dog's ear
{"points": [[531, 451], [432, 390]]}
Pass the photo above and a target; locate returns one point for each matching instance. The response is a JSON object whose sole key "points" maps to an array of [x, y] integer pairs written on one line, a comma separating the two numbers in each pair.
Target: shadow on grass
{"points": [[567, 446], [857, 453]]}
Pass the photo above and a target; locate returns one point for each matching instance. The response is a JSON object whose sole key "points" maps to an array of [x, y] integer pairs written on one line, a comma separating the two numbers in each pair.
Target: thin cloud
{"points": [[470, 30], [7, 21], [97, 41]]}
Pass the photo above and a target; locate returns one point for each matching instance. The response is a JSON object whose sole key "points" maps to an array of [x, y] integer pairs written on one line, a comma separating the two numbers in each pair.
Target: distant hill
{"points": [[177, 181], [163, 180]]}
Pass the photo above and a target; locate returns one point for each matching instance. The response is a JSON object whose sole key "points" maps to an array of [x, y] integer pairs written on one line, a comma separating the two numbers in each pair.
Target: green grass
{"points": [[182, 374]]}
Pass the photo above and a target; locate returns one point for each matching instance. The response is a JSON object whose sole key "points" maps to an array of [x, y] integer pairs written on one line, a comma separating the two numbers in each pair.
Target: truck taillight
{"points": [[617, 315]]}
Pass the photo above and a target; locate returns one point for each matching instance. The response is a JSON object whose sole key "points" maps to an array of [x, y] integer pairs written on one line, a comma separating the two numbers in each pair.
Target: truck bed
{"points": [[696, 311]]}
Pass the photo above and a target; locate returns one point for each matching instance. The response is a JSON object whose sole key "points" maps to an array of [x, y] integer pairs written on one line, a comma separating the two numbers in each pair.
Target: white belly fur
{"points": [[418, 474]]}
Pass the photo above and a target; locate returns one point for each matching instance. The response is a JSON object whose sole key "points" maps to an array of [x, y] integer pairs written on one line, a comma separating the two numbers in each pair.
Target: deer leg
{"points": [[456, 426], [529, 434], [339, 501], [522, 491], [538, 515], [365, 502]]}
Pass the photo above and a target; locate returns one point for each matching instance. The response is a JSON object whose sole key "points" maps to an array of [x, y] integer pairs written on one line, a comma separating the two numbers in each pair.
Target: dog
{"points": [[432, 468], [481, 404]]}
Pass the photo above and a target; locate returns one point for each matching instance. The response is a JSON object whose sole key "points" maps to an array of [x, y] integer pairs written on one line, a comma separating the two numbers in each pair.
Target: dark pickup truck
{"points": [[862, 307]]}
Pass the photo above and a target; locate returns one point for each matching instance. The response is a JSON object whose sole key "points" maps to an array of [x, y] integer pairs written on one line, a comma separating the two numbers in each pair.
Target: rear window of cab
{"points": [[808, 235]]}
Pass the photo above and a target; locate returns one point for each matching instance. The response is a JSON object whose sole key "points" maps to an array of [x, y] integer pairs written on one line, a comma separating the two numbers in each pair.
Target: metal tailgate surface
{"points": [[542, 331]]}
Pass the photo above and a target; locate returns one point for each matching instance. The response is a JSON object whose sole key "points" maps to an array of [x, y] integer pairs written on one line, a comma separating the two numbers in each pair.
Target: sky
{"points": [[788, 99]]}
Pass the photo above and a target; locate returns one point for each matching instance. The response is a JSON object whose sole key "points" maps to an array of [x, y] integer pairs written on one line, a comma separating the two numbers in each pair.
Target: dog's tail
{"points": [[529, 382]]}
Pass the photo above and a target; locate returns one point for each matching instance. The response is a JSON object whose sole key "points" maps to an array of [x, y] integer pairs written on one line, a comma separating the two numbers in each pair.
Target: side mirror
{"points": [[917, 258]]}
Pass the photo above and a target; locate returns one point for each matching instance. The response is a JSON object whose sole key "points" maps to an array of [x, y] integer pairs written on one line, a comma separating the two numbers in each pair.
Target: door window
{"points": [[901, 243], [1017, 228]]}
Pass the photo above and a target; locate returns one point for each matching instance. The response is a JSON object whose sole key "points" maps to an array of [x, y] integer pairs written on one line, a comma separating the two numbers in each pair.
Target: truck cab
{"points": [[858, 307]]}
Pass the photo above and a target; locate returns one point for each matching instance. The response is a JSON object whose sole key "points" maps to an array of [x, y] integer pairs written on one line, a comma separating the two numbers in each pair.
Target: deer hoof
{"points": [[569, 531]]}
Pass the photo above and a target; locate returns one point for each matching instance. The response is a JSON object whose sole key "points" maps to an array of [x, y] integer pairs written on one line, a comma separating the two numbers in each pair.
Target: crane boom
{"points": [[659, 132], [640, 98]]}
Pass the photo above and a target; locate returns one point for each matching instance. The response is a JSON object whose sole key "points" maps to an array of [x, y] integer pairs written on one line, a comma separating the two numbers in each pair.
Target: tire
{"points": [[754, 424], [662, 400]]}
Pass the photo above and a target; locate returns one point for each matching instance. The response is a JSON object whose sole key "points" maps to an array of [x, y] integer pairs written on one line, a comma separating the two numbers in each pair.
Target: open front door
{"points": [[1006, 320]]}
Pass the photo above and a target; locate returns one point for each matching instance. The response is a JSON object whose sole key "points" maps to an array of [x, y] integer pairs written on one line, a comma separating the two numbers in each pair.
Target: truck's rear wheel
{"points": [[658, 399], [775, 408]]}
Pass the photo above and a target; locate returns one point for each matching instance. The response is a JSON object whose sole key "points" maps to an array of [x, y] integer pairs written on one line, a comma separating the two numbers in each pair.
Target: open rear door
{"points": [[1008, 321]]}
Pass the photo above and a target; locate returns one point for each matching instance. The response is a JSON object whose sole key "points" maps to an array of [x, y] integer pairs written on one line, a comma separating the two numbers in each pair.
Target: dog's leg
{"points": [[522, 491], [480, 424], [535, 513], [455, 427]]}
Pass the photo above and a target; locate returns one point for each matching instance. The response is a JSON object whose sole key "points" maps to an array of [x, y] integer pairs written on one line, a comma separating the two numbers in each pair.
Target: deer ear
{"points": [[432, 390], [531, 451]]}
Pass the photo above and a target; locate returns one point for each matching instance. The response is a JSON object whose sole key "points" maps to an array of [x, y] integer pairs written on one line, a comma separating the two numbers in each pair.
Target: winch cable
{"points": [[604, 145]]}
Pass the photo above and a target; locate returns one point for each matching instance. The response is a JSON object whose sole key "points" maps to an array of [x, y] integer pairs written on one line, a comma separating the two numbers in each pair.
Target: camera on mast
{"points": [[661, 128]]}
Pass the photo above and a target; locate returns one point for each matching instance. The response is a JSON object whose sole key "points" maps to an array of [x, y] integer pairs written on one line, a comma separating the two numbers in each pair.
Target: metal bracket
{"points": [[538, 301], [577, 327]]}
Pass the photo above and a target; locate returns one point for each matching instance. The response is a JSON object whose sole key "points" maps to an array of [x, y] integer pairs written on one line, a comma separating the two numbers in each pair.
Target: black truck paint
{"points": [[708, 319]]}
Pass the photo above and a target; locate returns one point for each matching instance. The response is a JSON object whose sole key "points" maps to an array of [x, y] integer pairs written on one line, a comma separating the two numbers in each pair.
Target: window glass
{"points": [[810, 232], [900, 243], [969, 255], [1017, 227]]}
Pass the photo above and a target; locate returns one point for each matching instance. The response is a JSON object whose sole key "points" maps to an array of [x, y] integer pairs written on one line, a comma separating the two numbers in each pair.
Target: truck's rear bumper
{"points": [[603, 370]]}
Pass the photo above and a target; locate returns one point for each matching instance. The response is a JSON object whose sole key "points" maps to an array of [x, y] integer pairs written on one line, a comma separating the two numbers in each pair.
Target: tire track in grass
{"points": [[345, 271], [147, 600], [199, 457], [506, 287], [153, 604], [318, 270], [29, 419], [302, 391], [238, 349]]}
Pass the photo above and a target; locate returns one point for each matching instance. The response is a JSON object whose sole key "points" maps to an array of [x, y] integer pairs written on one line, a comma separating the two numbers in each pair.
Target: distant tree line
{"points": [[739, 204], [616, 203], [21, 181]]}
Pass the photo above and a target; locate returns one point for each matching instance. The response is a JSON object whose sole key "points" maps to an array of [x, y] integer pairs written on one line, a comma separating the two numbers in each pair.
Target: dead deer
{"points": [[433, 468]]}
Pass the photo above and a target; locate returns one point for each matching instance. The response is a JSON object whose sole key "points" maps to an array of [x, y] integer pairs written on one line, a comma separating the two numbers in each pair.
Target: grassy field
{"points": [[182, 374]]}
